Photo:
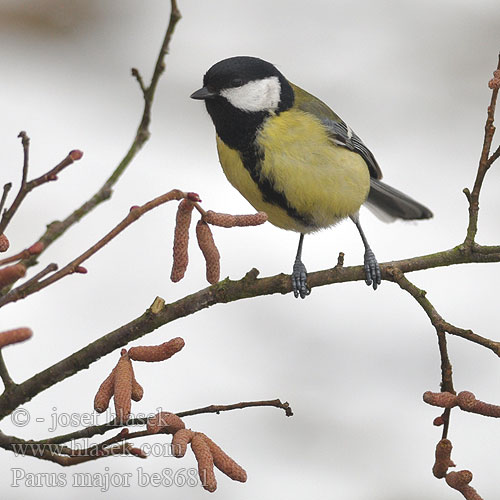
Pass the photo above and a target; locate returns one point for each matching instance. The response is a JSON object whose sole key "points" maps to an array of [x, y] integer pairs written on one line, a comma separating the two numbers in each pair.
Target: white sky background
{"points": [[411, 79]]}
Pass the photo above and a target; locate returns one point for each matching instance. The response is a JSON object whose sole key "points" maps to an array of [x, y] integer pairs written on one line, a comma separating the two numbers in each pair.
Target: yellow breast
{"points": [[320, 180]]}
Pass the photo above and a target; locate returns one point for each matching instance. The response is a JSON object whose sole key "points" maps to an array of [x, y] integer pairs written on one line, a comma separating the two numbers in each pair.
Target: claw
{"points": [[299, 280], [372, 269]]}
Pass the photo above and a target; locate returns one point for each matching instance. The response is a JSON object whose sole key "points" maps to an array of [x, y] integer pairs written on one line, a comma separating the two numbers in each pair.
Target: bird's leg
{"points": [[299, 274], [372, 269]]}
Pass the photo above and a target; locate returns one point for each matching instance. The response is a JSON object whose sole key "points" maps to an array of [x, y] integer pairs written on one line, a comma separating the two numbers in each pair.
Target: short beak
{"points": [[202, 94]]}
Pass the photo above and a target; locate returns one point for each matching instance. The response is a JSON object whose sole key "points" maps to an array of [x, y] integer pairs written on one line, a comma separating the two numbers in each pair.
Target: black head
{"points": [[239, 93]]}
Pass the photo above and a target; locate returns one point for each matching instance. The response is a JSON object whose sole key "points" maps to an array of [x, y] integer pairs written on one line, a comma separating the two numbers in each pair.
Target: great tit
{"points": [[292, 157]]}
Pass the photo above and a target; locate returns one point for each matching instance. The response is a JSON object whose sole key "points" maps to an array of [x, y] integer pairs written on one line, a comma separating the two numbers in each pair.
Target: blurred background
{"points": [[411, 79]]}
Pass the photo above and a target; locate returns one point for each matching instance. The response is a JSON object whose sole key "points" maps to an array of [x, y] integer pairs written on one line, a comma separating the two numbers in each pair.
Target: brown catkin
{"points": [[225, 463], [205, 462], [104, 393], [468, 402], [166, 422], [15, 336], [181, 240], [443, 458], [4, 243], [210, 252], [137, 390], [459, 478], [180, 441], [228, 220], [10, 274], [156, 352], [441, 399], [123, 388], [459, 481]]}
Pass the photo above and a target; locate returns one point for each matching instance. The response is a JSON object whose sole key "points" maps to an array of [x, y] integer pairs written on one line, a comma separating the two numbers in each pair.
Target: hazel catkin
{"points": [[225, 463], [441, 399], [123, 388], [4, 243], [205, 462], [156, 352], [104, 393], [137, 390], [443, 458], [10, 274], [15, 336], [459, 481], [228, 220], [181, 240], [180, 441], [166, 422], [210, 252], [467, 401]]}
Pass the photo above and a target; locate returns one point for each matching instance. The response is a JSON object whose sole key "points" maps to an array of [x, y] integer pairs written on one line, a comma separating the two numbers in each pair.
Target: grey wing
{"points": [[342, 135]]}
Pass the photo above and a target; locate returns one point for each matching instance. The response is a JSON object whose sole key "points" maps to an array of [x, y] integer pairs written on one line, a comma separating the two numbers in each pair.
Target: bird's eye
{"points": [[237, 82]]}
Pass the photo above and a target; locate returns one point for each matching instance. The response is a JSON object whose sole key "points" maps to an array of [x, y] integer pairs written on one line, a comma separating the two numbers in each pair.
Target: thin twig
{"points": [[47, 452], [94, 430], [446, 368], [494, 156], [25, 140], [276, 403], [58, 228], [34, 249], [140, 81], [23, 290], [6, 189], [437, 321], [200, 209], [26, 187], [4, 373], [446, 377], [484, 165], [134, 214]]}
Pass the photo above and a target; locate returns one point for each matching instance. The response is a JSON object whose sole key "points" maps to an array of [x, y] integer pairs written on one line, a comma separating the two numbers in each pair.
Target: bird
{"points": [[294, 158]]}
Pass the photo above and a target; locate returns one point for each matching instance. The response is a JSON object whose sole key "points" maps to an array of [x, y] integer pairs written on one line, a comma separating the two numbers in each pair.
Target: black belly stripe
{"points": [[251, 159]]}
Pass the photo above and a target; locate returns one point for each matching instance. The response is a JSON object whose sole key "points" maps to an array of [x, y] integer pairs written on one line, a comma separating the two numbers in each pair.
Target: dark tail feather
{"points": [[388, 203]]}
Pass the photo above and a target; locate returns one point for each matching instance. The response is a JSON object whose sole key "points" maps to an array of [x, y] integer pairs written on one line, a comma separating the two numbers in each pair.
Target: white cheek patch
{"points": [[258, 95]]}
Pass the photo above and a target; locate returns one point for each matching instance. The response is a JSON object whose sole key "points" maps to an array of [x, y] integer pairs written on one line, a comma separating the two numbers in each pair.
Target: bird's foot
{"points": [[299, 280], [372, 269]]}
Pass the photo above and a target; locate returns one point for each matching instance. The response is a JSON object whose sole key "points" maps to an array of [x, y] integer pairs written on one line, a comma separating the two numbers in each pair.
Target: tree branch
{"points": [[52, 448], [46, 452], [229, 291]]}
